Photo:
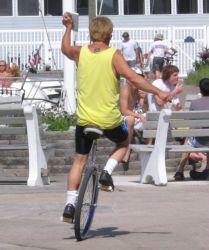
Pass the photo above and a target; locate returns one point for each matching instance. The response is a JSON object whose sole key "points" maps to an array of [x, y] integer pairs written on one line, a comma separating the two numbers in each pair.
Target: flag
{"points": [[36, 58]]}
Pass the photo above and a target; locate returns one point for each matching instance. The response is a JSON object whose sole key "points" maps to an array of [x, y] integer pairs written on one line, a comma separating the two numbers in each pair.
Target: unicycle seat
{"points": [[93, 132]]}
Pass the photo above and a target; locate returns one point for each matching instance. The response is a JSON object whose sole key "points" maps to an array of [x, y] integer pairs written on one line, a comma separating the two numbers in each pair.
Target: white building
{"points": [[26, 24]]}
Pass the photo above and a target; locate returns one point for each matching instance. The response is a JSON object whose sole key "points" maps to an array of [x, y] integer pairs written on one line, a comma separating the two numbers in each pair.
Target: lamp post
{"points": [[69, 68]]}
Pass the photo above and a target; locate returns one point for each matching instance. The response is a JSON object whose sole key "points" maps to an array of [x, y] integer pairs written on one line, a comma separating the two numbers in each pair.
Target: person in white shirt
{"points": [[168, 83], [158, 51], [130, 50]]}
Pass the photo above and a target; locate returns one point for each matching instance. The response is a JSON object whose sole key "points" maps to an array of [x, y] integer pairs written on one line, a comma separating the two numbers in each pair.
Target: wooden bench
{"points": [[16, 119], [161, 126]]}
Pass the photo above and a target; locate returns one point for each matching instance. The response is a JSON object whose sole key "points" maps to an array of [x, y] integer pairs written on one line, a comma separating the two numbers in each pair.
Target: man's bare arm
{"points": [[159, 101], [122, 69]]}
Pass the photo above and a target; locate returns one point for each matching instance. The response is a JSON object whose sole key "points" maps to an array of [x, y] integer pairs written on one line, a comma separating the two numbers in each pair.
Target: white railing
{"points": [[18, 45]]}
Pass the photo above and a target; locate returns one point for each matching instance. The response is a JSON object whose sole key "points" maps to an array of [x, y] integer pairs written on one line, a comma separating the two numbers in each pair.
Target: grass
{"points": [[201, 67], [194, 77]]}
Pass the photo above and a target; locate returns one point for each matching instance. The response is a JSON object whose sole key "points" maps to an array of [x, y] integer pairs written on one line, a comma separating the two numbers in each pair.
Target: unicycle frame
{"points": [[88, 195]]}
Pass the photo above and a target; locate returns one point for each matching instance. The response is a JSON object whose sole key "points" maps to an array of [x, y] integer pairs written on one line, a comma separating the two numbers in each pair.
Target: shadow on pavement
{"points": [[111, 232]]}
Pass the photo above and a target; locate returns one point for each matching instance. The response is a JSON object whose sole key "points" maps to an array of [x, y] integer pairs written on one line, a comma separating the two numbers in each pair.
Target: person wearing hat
{"points": [[158, 50], [131, 51]]}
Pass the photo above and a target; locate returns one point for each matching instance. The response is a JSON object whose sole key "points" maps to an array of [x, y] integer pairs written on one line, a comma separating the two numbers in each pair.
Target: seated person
{"points": [[168, 83], [133, 106], [199, 104], [7, 73]]}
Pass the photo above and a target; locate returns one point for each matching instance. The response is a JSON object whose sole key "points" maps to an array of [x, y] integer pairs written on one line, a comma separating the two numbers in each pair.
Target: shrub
{"points": [[201, 68], [58, 121], [194, 77], [203, 58]]}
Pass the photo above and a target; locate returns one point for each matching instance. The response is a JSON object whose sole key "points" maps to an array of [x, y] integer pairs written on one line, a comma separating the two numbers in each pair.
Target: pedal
{"points": [[106, 188]]}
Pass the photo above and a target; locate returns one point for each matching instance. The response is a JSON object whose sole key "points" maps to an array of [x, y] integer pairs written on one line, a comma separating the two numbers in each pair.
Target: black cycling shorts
{"points": [[83, 143]]}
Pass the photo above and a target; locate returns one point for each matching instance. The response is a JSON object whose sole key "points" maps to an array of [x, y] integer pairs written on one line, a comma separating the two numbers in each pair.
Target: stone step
{"points": [[13, 137], [63, 144], [57, 161], [16, 162], [22, 171], [4, 173], [59, 152], [59, 169], [64, 152], [13, 153], [20, 158], [70, 144], [13, 161], [65, 135]]}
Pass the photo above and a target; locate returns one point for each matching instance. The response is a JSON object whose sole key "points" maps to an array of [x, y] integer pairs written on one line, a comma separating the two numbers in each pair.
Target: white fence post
{"points": [[37, 160]]}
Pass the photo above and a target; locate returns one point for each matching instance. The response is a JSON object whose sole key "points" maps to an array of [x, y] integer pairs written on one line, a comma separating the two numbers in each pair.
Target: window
{"points": [[133, 7], [6, 8], [205, 6], [107, 7], [82, 7], [53, 7], [28, 7], [160, 7], [186, 6]]}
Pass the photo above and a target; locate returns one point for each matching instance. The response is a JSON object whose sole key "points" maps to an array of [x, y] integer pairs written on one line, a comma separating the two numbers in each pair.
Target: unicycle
{"points": [[89, 189]]}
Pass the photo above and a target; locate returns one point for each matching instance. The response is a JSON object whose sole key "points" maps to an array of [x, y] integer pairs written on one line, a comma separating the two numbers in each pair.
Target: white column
{"points": [[69, 67], [173, 7], [200, 6]]}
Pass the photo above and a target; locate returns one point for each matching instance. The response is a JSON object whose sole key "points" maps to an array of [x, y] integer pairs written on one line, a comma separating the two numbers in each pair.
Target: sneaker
{"points": [[179, 176], [199, 175], [106, 181], [68, 214]]}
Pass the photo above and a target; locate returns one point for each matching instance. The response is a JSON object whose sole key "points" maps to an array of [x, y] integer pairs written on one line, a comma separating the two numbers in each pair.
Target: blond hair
{"points": [[101, 29]]}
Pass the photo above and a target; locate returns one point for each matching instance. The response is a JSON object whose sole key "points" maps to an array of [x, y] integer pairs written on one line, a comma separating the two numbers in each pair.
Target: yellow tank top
{"points": [[98, 89]]}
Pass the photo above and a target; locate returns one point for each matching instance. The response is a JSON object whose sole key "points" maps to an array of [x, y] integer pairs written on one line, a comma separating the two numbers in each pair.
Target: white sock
{"points": [[110, 165], [72, 197]]}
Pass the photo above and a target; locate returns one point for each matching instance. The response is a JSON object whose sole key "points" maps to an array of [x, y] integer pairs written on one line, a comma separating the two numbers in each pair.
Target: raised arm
{"points": [[72, 52]]}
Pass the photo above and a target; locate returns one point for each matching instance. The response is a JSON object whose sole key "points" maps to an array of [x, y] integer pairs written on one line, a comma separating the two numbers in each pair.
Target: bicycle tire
{"points": [[86, 204]]}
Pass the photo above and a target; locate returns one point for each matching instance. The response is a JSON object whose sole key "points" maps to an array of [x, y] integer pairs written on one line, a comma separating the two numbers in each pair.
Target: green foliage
{"points": [[58, 121], [194, 77], [203, 59], [201, 67]]}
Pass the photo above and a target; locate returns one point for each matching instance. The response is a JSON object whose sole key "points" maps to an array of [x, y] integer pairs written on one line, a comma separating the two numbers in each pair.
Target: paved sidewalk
{"points": [[134, 217]]}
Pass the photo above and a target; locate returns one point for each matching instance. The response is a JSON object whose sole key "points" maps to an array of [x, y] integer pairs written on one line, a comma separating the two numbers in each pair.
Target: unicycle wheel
{"points": [[86, 204]]}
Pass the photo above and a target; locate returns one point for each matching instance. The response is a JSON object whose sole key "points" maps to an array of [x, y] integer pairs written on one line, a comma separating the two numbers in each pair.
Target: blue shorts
{"points": [[193, 142], [83, 143]]}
